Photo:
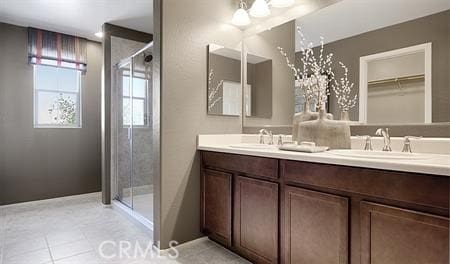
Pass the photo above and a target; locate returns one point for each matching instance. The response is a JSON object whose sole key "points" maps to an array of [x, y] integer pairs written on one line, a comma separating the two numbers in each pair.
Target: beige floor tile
{"points": [[70, 249], [24, 246], [84, 258], [62, 237], [35, 257]]}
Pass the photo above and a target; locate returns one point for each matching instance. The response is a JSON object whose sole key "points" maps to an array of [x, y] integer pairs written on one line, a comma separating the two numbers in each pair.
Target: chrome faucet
{"points": [[263, 132], [386, 136]]}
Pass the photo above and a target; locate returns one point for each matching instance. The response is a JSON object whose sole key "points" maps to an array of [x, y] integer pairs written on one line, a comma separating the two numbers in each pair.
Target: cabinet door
{"points": [[216, 205], [315, 227], [256, 219], [391, 235]]}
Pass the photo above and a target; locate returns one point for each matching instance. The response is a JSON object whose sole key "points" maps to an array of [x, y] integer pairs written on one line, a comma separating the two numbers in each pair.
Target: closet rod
{"points": [[406, 78]]}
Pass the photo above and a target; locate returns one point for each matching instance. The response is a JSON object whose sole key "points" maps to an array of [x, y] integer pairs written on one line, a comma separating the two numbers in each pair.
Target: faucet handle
{"points": [[261, 138], [280, 140], [270, 138], [368, 142], [407, 143]]}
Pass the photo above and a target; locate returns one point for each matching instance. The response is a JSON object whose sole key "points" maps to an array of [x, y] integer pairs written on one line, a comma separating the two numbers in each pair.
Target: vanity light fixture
{"points": [[260, 8], [240, 17], [281, 3], [99, 34]]}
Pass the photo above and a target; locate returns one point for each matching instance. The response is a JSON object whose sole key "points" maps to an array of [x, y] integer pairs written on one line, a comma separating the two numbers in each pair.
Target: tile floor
{"points": [[71, 230]]}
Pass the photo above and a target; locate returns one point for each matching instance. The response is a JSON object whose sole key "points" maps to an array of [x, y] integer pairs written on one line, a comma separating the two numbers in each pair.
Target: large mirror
{"points": [[224, 81], [397, 53]]}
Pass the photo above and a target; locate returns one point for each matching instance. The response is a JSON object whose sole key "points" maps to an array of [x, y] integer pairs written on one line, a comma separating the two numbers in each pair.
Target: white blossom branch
{"points": [[213, 91], [343, 89]]}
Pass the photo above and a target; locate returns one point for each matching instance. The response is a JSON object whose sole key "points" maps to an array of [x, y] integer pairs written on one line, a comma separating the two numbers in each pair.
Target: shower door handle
{"points": [[129, 133]]}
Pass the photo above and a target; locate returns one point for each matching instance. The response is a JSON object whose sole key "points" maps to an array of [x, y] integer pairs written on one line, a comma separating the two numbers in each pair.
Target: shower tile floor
{"points": [[80, 230]]}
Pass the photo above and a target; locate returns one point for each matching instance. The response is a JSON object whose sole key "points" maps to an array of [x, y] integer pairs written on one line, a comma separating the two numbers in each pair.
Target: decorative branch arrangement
{"points": [[322, 75], [316, 73], [343, 90], [213, 92]]}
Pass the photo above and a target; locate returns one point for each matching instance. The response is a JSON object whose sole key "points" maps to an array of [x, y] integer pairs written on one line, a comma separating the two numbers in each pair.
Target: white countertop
{"points": [[438, 164]]}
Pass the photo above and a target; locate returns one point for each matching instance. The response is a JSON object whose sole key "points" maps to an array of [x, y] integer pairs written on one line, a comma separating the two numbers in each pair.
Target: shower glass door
{"points": [[134, 135], [142, 177], [124, 136]]}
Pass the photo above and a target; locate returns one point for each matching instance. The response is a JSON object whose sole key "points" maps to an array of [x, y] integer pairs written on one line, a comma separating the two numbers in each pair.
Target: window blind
{"points": [[56, 49]]}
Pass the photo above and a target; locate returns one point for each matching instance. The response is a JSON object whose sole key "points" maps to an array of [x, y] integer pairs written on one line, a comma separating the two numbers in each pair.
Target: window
{"points": [[57, 97], [140, 102]]}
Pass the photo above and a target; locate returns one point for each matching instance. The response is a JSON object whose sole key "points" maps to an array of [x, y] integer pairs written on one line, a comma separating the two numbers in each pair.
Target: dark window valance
{"points": [[56, 49]]}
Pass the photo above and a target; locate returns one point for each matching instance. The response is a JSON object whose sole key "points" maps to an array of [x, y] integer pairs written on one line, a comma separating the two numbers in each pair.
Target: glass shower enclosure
{"points": [[133, 133]]}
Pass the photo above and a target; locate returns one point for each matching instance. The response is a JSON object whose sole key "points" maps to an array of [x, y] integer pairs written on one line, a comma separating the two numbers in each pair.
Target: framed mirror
{"points": [[224, 89], [398, 62]]}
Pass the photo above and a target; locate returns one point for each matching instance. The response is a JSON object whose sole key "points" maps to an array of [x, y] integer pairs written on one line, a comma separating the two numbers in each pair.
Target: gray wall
{"points": [[434, 28], [191, 25], [39, 163], [265, 44]]}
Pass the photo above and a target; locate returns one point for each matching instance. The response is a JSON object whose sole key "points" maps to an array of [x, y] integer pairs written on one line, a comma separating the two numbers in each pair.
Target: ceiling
{"points": [[280, 16], [78, 17], [352, 17]]}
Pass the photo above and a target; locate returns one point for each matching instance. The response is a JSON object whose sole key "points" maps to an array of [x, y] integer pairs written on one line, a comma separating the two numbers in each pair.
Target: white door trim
{"points": [[363, 79]]}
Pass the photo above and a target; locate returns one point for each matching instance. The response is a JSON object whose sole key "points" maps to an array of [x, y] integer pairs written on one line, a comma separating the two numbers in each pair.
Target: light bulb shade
{"points": [[240, 18], [281, 3], [260, 8], [99, 34]]}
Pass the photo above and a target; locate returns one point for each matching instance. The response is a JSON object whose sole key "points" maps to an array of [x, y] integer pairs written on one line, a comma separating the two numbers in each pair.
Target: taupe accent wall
{"points": [[187, 28], [40, 163], [434, 28]]}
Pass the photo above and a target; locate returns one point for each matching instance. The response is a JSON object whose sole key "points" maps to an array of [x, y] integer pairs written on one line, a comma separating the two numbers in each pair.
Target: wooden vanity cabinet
{"points": [[280, 211], [392, 217]]}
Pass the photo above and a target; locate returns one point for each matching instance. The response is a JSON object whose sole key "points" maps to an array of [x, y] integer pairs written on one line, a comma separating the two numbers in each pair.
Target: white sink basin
{"points": [[253, 146], [353, 153]]}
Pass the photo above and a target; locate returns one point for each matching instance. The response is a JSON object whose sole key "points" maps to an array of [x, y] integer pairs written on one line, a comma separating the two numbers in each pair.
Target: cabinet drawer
{"points": [[421, 189], [247, 165]]}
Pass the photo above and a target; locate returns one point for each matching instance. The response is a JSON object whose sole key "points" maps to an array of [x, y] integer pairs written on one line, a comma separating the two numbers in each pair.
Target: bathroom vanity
{"points": [[272, 206]]}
